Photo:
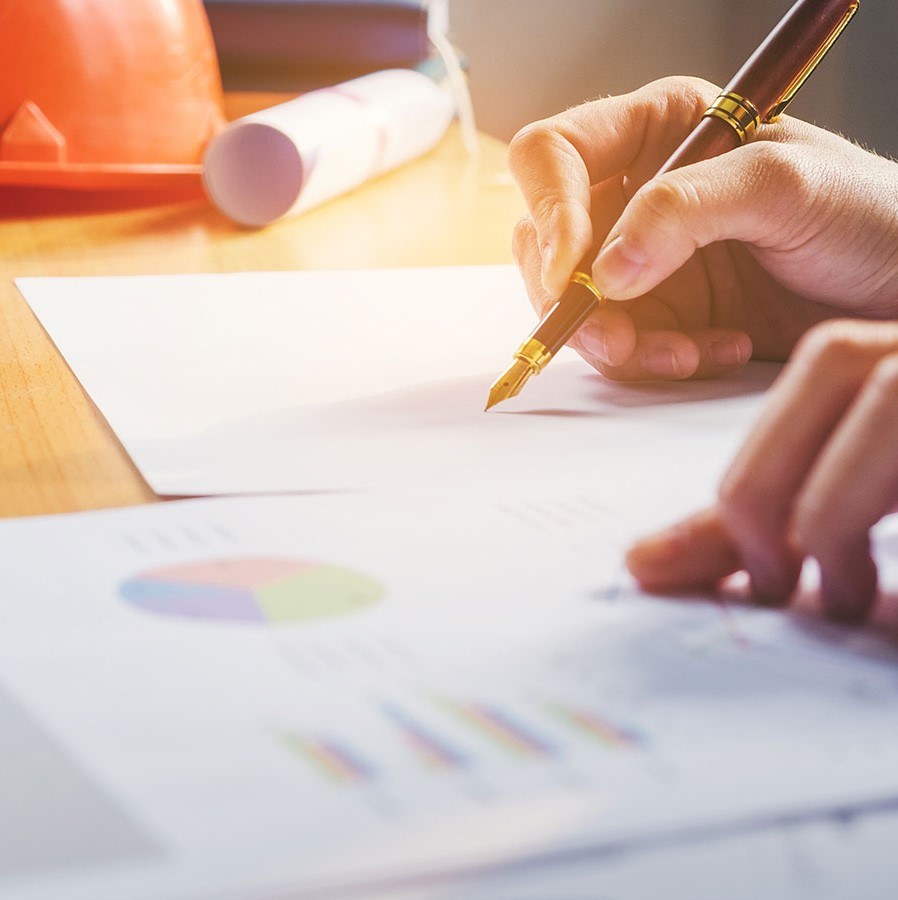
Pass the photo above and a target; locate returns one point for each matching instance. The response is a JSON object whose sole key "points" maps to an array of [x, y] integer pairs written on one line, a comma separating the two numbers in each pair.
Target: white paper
{"points": [[828, 858], [297, 381], [469, 688]]}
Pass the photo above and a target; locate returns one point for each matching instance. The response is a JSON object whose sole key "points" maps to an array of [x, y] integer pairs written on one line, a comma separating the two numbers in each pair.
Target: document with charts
{"points": [[234, 697]]}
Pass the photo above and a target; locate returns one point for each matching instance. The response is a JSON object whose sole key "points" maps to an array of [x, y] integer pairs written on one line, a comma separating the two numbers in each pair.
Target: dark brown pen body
{"points": [[802, 36], [567, 314], [771, 75]]}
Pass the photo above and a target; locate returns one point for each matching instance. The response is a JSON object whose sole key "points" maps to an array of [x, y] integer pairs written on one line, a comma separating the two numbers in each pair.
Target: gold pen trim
{"points": [[737, 111], [812, 64], [589, 284], [534, 353], [529, 359]]}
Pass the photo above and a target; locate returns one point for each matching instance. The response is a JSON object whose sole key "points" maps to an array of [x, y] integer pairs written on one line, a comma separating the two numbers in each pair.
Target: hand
{"points": [[818, 471], [715, 262]]}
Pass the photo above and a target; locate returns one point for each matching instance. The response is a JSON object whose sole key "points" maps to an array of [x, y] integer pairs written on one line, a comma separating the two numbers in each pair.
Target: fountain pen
{"points": [[758, 93]]}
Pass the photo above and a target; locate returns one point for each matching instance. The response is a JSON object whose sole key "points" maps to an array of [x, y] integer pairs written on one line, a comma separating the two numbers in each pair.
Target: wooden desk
{"points": [[56, 452]]}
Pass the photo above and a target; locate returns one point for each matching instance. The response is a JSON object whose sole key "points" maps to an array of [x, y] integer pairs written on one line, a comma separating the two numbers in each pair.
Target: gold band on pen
{"points": [[534, 353], [590, 285], [737, 111]]}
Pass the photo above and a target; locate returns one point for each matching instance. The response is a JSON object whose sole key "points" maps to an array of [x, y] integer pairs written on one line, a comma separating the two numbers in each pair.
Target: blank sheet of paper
{"points": [[298, 381]]}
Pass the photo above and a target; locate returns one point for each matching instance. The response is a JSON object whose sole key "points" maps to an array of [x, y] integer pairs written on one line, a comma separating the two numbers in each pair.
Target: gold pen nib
{"points": [[530, 359], [510, 382], [574, 305]]}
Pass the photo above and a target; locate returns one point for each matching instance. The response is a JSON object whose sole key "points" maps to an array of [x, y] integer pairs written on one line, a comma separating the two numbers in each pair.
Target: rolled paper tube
{"points": [[286, 159]]}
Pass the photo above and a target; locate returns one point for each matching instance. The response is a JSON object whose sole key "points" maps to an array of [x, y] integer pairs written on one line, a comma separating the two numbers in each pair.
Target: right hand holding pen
{"points": [[712, 263]]}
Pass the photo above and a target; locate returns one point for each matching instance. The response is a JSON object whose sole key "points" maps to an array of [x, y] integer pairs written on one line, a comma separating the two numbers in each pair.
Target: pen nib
{"points": [[509, 383]]}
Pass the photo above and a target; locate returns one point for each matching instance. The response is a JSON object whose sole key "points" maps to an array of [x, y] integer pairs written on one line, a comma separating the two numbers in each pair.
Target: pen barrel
{"points": [[710, 138], [768, 81], [773, 74], [569, 312]]}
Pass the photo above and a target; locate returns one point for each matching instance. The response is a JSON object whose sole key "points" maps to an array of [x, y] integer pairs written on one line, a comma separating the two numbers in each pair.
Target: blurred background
{"points": [[531, 58]]}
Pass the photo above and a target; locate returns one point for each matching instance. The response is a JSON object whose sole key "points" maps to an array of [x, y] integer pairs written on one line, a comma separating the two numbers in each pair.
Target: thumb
{"points": [[673, 215]]}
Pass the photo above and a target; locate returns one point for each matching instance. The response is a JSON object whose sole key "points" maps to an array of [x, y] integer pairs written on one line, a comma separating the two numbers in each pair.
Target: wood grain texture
{"points": [[57, 454]]}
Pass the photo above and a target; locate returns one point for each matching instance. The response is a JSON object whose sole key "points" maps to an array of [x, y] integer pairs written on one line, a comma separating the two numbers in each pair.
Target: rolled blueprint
{"points": [[288, 158]]}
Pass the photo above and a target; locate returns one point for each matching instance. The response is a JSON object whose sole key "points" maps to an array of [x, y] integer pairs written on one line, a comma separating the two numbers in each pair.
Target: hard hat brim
{"points": [[109, 176]]}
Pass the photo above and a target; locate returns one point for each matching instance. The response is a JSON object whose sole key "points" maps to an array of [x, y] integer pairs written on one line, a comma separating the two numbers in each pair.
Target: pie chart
{"points": [[252, 590]]}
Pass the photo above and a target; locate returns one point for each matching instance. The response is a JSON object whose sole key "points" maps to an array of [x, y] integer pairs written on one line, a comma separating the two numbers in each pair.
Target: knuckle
{"points": [[539, 144], [883, 379], [699, 90], [675, 93], [806, 524], [739, 504], [798, 187], [821, 535], [828, 344], [668, 201], [807, 532], [546, 209], [523, 237], [529, 140], [780, 167]]}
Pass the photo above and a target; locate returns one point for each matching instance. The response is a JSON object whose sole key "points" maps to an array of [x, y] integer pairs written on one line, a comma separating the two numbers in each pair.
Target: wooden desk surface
{"points": [[56, 452]]}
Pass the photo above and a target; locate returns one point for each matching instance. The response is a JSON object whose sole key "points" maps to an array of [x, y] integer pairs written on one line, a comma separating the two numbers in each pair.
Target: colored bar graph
{"points": [[329, 758], [501, 727], [594, 726], [432, 748]]}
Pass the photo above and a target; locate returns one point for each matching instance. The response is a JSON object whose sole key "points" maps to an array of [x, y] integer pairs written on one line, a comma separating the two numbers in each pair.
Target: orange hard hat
{"points": [[106, 93]]}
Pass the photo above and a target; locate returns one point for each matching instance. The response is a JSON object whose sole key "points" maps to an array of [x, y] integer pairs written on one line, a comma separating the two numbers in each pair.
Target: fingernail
{"points": [[726, 353], [594, 340], [617, 267], [662, 362]]}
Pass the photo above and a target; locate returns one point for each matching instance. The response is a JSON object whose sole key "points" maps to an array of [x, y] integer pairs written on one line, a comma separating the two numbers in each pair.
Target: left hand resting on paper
{"points": [[818, 471]]}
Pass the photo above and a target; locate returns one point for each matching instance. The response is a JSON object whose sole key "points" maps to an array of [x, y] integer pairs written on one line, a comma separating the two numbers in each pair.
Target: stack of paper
{"points": [[429, 673]]}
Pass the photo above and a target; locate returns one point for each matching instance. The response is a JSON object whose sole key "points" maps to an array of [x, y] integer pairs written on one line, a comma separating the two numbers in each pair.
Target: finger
{"points": [[758, 493], [555, 161], [695, 553], [528, 258], [558, 199], [673, 355], [606, 339], [609, 330], [742, 196], [606, 203], [853, 484]]}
